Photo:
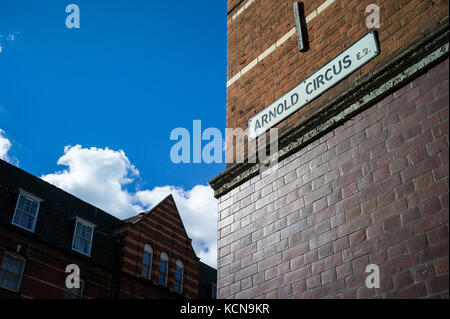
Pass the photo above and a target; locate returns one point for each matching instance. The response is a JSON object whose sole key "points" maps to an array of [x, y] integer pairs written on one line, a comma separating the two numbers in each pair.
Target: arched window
{"points": [[178, 287], [147, 262], [163, 269]]}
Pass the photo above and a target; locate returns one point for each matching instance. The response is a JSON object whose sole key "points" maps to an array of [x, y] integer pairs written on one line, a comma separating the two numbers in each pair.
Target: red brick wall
{"points": [[372, 191], [233, 3], [44, 274], [163, 230], [403, 23]]}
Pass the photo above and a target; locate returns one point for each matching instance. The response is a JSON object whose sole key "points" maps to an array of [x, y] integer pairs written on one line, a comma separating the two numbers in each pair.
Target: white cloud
{"points": [[5, 146], [99, 176], [198, 210]]}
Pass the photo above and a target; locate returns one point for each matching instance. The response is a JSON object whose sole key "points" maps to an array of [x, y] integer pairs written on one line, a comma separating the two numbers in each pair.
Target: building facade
{"points": [[207, 288], [170, 262], [43, 230], [362, 176]]}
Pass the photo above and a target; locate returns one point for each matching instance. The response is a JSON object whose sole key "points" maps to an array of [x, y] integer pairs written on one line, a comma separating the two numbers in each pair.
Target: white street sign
{"points": [[326, 77]]}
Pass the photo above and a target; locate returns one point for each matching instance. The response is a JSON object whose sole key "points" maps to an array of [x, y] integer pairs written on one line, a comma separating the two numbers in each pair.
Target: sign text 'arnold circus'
{"points": [[322, 80]]}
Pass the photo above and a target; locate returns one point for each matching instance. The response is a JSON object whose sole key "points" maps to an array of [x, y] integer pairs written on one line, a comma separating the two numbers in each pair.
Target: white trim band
{"points": [[277, 44], [242, 9]]}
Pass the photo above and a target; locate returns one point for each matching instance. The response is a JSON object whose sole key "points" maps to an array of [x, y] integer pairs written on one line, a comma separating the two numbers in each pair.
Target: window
{"points": [[178, 287], [74, 293], [11, 272], [82, 237], [163, 269], [26, 212], [147, 262]]}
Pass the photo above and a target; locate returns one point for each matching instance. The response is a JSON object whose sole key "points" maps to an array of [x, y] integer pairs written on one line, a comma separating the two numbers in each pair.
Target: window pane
{"points": [[9, 280], [162, 272], [76, 244], [178, 279], [178, 273], [84, 245], [11, 272], [78, 228], [26, 212], [82, 241], [82, 233], [21, 204], [147, 258], [163, 266], [88, 232], [29, 221], [27, 206]]}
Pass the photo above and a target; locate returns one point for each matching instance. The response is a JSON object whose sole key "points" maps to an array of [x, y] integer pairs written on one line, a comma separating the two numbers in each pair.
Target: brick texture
{"points": [[373, 190], [264, 22]]}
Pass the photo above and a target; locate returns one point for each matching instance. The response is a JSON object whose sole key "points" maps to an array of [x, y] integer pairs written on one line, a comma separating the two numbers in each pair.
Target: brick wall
{"points": [[162, 229], [264, 22], [114, 268], [373, 190], [44, 274]]}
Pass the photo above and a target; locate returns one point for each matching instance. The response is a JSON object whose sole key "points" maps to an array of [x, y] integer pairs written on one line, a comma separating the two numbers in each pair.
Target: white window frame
{"points": [[88, 224], [164, 257], [147, 249], [32, 198], [13, 255], [179, 265]]}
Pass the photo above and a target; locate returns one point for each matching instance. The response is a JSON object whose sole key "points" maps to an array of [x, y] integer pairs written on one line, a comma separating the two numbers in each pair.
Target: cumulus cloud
{"points": [[100, 176], [97, 176], [5, 146]]}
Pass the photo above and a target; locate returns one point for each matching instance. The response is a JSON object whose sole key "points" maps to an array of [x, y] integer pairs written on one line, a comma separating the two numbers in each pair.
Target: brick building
{"points": [[207, 288], [43, 229], [362, 175], [160, 234]]}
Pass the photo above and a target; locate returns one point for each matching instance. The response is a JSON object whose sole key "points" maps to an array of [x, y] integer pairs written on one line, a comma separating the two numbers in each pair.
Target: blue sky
{"points": [[133, 72]]}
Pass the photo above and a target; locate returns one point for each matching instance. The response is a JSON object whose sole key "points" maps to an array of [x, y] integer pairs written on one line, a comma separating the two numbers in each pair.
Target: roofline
{"points": [[58, 189], [138, 216]]}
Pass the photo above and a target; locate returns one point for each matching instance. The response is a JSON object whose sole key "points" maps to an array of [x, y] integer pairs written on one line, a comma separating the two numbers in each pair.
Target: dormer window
{"points": [[82, 236], [26, 212]]}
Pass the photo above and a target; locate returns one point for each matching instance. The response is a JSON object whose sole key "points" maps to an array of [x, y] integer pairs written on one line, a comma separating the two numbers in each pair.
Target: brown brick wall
{"points": [[163, 230], [44, 274], [233, 3], [374, 190], [403, 23]]}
